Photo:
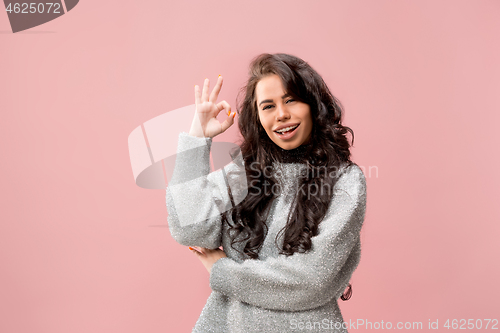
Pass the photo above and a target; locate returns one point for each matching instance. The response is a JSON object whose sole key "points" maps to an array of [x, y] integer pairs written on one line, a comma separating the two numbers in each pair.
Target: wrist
{"points": [[196, 128], [196, 133]]}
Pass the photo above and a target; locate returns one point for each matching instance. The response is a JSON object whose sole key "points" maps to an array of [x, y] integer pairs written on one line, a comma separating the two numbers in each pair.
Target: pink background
{"points": [[84, 249]]}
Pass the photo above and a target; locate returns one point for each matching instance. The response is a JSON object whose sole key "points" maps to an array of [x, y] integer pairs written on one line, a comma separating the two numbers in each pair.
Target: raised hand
{"points": [[205, 123]]}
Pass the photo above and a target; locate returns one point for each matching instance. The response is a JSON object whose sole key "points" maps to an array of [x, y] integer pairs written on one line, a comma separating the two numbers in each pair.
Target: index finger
{"points": [[197, 95], [215, 92]]}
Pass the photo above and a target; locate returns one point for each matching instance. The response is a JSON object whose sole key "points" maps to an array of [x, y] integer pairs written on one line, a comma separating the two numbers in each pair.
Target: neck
{"points": [[296, 155]]}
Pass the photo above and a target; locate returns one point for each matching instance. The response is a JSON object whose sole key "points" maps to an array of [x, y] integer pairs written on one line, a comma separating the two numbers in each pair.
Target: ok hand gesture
{"points": [[205, 123]]}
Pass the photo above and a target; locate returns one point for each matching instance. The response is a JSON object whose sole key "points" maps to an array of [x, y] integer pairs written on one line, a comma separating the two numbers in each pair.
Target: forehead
{"points": [[269, 87]]}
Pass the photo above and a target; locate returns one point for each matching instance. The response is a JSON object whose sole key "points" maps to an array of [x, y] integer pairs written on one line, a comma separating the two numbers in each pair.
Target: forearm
{"points": [[279, 284], [304, 280], [193, 197]]}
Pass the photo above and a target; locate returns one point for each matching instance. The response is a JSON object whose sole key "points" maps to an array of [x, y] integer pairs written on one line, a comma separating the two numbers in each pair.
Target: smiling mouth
{"points": [[287, 130]]}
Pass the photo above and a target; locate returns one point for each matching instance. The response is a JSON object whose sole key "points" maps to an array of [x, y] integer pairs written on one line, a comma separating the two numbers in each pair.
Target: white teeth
{"points": [[286, 129]]}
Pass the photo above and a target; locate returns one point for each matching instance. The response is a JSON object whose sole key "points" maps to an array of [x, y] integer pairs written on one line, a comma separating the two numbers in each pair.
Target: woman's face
{"points": [[277, 110]]}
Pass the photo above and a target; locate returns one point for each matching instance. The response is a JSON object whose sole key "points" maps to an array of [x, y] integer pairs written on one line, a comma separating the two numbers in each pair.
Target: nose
{"points": [[282, 112]]}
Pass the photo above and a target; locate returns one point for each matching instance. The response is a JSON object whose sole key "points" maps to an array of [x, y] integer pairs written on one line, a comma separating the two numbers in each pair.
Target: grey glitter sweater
{"points": [[275, 293]]}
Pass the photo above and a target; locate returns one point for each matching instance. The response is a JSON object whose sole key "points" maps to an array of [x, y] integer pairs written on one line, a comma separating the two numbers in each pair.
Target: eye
{"points": [[267, 107], [290, 100]]}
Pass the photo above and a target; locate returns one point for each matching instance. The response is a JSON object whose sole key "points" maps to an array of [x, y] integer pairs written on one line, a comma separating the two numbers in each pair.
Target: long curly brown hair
{"points": [[328, 151]]}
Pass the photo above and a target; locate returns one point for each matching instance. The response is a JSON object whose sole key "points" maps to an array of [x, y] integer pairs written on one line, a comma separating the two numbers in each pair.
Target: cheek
{"points": [[265, 123], [309, 123], [259, 120], [259, 117], [307, 118]]}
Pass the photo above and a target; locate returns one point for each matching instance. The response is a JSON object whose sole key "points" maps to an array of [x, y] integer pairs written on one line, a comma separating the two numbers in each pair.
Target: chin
{"points": [[287, 145]]}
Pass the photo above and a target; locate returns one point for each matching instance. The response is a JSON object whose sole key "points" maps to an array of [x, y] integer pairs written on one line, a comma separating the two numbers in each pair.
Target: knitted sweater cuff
{"points": [[217, 278]]}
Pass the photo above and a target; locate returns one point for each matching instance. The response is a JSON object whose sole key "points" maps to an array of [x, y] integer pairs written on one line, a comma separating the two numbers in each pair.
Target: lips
{"points": [[287, 135], [285, 126]]}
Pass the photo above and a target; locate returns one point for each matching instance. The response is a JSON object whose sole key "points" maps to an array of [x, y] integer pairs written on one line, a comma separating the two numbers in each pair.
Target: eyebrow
{"points": [[270, 100]]}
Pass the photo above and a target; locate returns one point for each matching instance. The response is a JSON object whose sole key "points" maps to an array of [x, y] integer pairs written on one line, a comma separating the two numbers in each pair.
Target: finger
{"points": [[204, 94], [197, 95], [223, 105], [228, 122], [200, 249], [195, 251], [215, 92]]}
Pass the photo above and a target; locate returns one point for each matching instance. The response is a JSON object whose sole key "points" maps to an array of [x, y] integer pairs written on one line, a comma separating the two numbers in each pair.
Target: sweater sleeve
{"points": [[304, 280], [196, 197]]}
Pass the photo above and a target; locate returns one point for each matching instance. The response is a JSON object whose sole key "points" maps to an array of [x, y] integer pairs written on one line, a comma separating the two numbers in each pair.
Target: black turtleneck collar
{"points": [[296, 155]]}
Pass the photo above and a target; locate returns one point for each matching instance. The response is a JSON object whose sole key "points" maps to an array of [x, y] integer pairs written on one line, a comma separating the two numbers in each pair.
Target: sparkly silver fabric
{"points": [[275, 293]]}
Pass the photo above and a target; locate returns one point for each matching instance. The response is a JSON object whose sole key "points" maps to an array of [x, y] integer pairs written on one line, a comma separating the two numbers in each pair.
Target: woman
{"points": [[290, 234]]}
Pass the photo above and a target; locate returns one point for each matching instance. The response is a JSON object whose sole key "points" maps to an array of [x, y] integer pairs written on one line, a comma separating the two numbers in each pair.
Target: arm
{"points": [[304, 280], [196, 198]]}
